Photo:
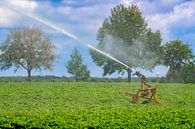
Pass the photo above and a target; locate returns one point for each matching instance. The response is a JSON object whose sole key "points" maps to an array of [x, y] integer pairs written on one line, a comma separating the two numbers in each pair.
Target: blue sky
{"points": [[174, 18]]}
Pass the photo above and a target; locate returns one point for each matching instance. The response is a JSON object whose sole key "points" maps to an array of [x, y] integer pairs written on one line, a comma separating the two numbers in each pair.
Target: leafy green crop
{"points": [[93, 105]]}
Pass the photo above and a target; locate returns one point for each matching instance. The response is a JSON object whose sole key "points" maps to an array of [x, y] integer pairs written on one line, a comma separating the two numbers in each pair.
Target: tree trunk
{"points": [[29, 75], [129, 71], [173, 76]]}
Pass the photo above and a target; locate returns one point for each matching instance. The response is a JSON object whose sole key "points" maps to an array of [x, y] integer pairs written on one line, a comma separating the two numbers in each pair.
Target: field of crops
{"points": [[93, 105]]}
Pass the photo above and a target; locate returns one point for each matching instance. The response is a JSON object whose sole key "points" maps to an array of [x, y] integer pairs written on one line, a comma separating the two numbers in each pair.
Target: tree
{"points": [[175, 55], [125, 36], [189, 72], [76, 67], [27, 48]]}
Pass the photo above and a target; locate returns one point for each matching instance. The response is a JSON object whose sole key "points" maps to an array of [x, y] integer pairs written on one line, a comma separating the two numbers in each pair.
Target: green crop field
{"points": [[93, 105]]}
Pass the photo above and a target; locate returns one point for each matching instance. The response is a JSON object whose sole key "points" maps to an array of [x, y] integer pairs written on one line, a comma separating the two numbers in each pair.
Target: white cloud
{"points": [[21, 7], [154, 6], [90, 16], [9, 18], [88, 19], [183, 15], [24, 4], [82, 21], [166, 15]]}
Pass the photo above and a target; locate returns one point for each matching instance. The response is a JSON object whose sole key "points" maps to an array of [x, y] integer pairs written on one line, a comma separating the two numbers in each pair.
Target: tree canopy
{"points": [[76, 67], [27, 48], [176, 54], [126, 36]]}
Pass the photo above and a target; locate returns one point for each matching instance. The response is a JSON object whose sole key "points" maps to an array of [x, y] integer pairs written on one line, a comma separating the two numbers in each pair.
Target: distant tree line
{"points": [[51, 78], [124, 35]]}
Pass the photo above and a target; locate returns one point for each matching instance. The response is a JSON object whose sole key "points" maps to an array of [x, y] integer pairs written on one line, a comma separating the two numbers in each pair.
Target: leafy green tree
{"points": [[175, 75], [189, 72], [76, 67], [125, 36], [27, 48], [175, 55]]}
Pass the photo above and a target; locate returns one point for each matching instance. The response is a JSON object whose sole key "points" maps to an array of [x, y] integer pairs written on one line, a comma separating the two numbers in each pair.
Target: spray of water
{"points": [[11, 7], [107, 55], [134, 54]]}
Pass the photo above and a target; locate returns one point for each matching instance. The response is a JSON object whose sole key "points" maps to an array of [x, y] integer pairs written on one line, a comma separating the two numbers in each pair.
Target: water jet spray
{"points": [[17, 10], [107, 55]]}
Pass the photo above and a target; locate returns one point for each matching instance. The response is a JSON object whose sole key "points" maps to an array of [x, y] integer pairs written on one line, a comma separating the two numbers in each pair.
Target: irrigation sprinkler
{"points": [[147, 92]]}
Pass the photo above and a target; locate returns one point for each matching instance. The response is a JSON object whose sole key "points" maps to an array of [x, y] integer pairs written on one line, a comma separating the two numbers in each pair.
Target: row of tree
{"points": [[124, 35]]}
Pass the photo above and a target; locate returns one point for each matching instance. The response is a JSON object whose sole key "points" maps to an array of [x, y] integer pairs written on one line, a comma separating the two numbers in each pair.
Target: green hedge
{"points": [[106, 118]]}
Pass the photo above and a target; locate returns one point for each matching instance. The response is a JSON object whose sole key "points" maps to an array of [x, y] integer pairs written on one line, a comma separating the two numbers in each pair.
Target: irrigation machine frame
{"points": [[146, 91]]}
